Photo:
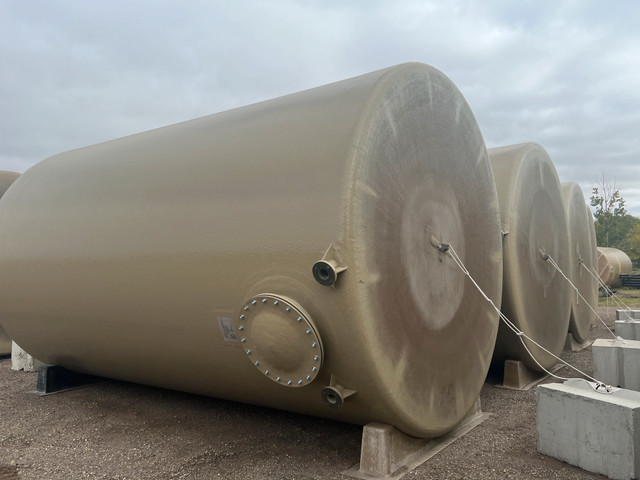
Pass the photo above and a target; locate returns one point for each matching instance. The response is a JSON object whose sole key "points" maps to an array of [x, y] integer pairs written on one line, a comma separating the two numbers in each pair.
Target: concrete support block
{"points": [[595, 431], [628, 329], [617, 362], [21, 360], [627, 314]]}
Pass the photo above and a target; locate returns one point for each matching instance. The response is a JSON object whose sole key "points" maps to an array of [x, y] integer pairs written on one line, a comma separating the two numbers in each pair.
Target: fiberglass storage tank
{"points": [[209, 256], [6, 179], [582, 256], [611, 264], [535, 295]]}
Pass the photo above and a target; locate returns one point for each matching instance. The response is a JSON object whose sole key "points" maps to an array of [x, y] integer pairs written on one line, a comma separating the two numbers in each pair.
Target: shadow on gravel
{"points": [[8, 472]]}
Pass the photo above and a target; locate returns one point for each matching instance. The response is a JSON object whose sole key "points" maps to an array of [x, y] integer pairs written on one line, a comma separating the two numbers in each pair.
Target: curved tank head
{"points": [[284, 254], [6, 179], [582, 260], [535, 295]]}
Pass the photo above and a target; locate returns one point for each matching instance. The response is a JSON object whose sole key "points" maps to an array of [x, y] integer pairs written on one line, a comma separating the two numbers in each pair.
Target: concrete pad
{"points": [[595, 431], [627, 314], [628, 329], [617, 362], [386, 453], [21, 360]]}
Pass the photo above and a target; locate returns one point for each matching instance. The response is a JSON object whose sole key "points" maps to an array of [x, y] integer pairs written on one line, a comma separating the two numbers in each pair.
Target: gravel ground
{"points": [[117, 430]]}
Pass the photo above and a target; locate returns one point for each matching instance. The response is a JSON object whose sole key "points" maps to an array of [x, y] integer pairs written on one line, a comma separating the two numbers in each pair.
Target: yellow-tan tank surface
{"points": [[279, 254], [611, 264], [6, 179], [535, 296], [582, 253]]}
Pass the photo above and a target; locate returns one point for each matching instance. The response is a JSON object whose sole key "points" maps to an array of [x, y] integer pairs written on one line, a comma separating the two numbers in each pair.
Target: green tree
{"points": [[633, 244], [612, 223]]}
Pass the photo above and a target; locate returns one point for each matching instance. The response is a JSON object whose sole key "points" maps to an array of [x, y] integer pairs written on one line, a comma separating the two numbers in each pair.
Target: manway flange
{"points": [[281, 340]]}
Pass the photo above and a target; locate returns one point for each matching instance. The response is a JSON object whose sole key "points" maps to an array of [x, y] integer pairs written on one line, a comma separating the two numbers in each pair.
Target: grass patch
{"points": [[630, 296]]}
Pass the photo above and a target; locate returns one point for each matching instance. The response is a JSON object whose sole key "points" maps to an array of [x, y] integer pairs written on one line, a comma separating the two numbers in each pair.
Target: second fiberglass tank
{"points": [[535, 296], [209, 256], [6, 179], [582, 261]]}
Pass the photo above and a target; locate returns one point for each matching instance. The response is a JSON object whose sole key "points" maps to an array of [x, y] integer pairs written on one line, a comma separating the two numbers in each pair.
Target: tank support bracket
{"points": [[55, 379], [389, 454], [573, 345], [518, 377]]}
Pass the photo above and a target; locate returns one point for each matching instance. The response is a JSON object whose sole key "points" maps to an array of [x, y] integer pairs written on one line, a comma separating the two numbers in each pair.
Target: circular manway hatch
{"points": [[281, 340]]}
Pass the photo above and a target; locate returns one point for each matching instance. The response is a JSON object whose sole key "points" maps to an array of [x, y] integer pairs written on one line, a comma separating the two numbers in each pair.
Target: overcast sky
{"points": [[565, 74]]}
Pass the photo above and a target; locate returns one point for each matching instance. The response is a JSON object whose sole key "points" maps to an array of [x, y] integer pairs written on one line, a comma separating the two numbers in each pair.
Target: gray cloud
{"points": [[563, 74]]}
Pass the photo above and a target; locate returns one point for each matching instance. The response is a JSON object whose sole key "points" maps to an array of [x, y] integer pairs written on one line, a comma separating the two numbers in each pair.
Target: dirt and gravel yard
{"points": [[118, 430]]}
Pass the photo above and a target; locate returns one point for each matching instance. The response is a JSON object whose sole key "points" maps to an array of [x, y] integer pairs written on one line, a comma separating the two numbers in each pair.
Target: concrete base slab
{"points": [[572, 345], [389, 454], [21, 360], [617, 362], [598, 432], [518, 377], [628, 329], [627, 314]]}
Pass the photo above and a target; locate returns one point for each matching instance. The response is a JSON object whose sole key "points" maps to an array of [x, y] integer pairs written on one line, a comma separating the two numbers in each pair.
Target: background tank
{"points": [[150, 258], [611, 264], [535, 296], [582, 249], [6, 179]]}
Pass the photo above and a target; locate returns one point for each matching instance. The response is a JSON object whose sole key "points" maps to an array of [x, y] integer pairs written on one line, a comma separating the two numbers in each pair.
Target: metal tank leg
{"points": [[389, 454], [55, 379]]}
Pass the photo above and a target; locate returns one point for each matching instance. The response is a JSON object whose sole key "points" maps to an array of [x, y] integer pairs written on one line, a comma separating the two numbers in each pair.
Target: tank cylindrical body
{"points": [[282, 254], [535, 296], [582, 256], [611, 264], [6, 179]]}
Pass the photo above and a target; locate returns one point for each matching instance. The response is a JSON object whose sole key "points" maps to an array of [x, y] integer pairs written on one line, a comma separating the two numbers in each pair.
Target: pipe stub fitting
{"points": [[325, 272], [332, 397]]}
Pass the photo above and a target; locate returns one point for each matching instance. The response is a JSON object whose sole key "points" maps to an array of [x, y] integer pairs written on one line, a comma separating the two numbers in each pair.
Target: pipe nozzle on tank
{"points": [[334, 395], [326, 272]]}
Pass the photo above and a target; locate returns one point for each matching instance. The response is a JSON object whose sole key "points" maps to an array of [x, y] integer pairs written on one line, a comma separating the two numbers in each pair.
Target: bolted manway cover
{"points": [[136, 258]]}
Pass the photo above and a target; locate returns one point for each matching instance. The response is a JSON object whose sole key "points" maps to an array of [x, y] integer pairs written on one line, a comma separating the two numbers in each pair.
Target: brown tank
{"points": [[6, 179], [280, 254], [535, 296], [582, 250], [611, 264]]}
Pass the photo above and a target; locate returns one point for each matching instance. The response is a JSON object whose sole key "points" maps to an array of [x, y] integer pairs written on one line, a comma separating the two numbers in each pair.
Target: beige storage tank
{"points": [[594, 268], [6, 179], [535, 296], [280, 254], [611, 264], [582, 253]]}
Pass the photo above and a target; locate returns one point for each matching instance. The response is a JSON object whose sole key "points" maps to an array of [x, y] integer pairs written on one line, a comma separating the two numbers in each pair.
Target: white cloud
{"points": [[563, 74]]}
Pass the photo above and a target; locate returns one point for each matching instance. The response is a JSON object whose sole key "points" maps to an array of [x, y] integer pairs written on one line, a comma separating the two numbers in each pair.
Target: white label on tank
{"points": [[227, 329]]}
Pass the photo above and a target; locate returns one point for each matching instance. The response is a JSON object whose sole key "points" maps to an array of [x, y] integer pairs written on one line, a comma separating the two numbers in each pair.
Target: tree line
{"points": [[614, 226]]}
